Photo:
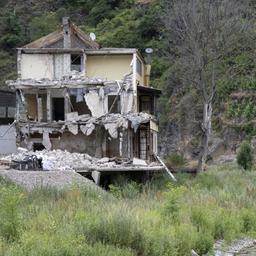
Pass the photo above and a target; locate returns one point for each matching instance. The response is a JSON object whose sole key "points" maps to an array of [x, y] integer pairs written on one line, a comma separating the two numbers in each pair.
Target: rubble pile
{"points": [[58, 160]]}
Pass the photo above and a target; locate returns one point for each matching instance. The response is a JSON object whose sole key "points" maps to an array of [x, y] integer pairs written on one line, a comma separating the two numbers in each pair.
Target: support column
{"points": [[49, 106], [66, 103], [39, 108]]}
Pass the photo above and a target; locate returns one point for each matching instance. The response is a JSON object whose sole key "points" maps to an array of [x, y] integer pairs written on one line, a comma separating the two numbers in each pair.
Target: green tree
{"points": [[43, 25], [245, 156]]}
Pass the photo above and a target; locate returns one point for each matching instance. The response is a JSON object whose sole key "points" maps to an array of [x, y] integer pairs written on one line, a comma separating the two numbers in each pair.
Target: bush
{"points": [[176, 160], [245, 156], [125, 188]]}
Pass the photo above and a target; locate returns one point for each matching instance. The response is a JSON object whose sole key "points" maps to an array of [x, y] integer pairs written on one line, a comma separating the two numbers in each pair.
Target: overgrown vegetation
{"points": [[245, 156], [133, 23], [153, 219]]}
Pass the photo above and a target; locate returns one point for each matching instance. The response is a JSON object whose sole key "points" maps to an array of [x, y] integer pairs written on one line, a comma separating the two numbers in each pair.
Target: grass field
{"points": [[158, 218]]}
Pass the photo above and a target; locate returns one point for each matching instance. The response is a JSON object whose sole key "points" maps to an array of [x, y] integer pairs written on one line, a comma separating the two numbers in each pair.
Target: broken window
{"points": [[58, 110], [2, 112], [114, 105], [11, 112], [80, 107], [141, 142], [76, 62], [146, 104]]}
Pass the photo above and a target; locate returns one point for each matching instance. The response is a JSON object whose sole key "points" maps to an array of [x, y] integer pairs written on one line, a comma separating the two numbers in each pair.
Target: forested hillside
{"points": [[140, 24]]}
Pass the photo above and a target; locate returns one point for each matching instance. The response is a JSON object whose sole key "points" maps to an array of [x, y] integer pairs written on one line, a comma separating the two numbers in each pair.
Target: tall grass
{"points": [[158, 218]]}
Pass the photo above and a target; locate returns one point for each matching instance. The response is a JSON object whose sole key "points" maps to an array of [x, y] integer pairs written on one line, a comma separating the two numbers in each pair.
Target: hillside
{"points": [[140, 24]]}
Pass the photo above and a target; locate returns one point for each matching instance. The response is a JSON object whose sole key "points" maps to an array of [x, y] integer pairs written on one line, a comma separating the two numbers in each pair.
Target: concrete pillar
{"points": [[49, 106], [96, 177]]}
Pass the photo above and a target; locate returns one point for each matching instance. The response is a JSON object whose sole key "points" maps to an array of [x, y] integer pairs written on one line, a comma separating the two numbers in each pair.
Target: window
{"points": [[114, 104], [139, 67], [2, 112], [146, 104], [80, 107], [76, 62], [11, 112]]}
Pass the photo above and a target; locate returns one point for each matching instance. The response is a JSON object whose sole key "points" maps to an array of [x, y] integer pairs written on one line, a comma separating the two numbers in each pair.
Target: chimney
{"points": [[66, 32], [148, 60]]}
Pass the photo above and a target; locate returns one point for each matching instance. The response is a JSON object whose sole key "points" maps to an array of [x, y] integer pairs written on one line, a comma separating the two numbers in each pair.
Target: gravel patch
{"points": [[34, 179], [246, 246]]}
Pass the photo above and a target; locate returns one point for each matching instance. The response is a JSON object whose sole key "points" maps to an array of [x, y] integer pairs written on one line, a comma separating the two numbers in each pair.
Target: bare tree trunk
{"points": [[206, 128]]}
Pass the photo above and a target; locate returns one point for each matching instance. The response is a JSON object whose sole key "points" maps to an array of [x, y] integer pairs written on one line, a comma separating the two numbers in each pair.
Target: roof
{"points": [[149, 89], [113, 51], [6, 91], [101, 51], [58, 35]]}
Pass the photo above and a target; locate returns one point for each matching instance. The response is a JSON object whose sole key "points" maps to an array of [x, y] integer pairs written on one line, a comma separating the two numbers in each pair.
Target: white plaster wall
{"points": [[37, 66], [7, 139], [59, 66]]}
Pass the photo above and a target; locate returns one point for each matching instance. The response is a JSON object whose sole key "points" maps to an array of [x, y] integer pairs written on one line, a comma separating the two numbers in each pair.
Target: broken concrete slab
{"points": [[73, 128], [103, 160], [96, 177], [137, 161], [58, 160], [72, 116]]}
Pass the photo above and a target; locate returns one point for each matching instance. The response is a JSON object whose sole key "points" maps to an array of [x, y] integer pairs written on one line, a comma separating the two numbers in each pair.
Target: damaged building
{"points": [[73, 95]]}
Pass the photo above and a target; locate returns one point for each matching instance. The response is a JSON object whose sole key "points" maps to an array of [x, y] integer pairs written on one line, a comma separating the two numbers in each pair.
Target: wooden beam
{"points": [[165, 167]]}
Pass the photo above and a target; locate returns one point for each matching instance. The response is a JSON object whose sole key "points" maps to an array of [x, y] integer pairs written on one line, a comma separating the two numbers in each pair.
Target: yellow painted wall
{"points": [[141, 78], [36, 66], [111, 67]]}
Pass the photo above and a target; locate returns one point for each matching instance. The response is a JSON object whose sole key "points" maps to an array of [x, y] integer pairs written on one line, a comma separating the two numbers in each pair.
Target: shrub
{"points": [[204, 243], [174, 201], [245, 156], [125, 188], [176, 160]]}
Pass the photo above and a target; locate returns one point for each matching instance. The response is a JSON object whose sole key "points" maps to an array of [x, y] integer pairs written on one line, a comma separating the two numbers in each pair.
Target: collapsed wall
{"points": [[97, 117]]}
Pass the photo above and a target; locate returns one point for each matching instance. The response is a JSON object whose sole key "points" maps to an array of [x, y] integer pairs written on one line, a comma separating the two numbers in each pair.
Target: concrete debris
{"points": [[66, 82], [73, 128], [58, 160], [96, 177], [193, 253], [112, 129], [113, 123], [96, 102], [87, 129], [137, 161], [72, 116], [103, 160]]}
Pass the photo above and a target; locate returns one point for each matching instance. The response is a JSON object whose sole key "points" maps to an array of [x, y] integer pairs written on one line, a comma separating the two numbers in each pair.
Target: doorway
{"points": [[58, 109]]}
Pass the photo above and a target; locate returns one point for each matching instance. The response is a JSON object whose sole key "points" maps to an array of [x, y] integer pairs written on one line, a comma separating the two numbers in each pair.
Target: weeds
{"points": [[131, 220]]}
